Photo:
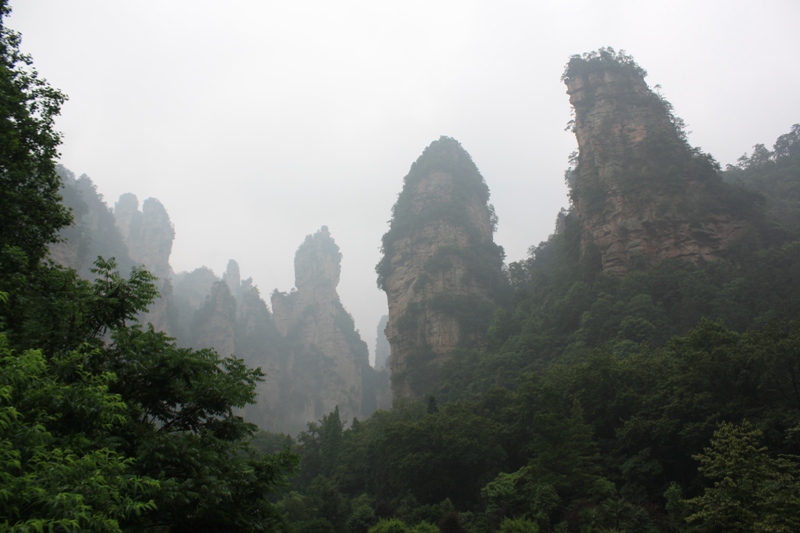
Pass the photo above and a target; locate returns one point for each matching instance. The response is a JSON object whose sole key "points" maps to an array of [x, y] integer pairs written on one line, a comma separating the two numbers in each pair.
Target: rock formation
{"points": [[93, 232], [641, 192], [148, 235], [261, 346], [214, 323], [382, 347], [233, 279], [329, 362], [441, 269]]}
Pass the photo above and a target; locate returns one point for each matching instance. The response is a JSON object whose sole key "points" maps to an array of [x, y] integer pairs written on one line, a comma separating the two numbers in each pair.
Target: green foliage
{"points": [[519, 525], [774, 174], [94, 232], [104, 426], [754, 492], [52, 477], [448, 454], [660, 166], [424, 527], [360, 520], [603, 59], [390, 526], [173, 413], [567, 457], [444, 155], [584, 409], [31, 213]]}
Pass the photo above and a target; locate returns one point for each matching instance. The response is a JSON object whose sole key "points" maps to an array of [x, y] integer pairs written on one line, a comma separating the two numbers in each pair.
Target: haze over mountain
{"points": [[246, 119], [638, 371]]}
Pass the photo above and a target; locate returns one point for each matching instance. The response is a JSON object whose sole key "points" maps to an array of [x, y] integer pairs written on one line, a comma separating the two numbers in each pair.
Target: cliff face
{"points": [[148, 235], [94, 231], [641, 192], [382, 347], [328, 361], [441, 270], [214, 323]]}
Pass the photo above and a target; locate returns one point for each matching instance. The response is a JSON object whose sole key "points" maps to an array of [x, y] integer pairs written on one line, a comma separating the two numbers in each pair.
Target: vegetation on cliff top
{"points": [[443, 155]]}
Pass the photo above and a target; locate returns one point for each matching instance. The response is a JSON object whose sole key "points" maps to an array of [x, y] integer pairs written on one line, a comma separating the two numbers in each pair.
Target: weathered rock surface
{"points": [[233, 279], [328, 362], [441, 270], [94, 232], [641, 192], [148, 235], [215, 322], [382, 347]]}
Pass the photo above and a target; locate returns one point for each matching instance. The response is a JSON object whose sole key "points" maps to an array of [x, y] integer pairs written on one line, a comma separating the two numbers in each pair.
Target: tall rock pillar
{"points": [[329, 362], [642, 194], [441, 270]]}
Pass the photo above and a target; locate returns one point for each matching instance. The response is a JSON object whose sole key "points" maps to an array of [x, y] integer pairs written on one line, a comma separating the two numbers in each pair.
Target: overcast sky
{"points": [[257, 122]]}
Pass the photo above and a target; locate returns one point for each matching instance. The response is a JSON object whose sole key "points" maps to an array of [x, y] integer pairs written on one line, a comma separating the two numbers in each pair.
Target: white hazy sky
{"points": [[257, 122]]}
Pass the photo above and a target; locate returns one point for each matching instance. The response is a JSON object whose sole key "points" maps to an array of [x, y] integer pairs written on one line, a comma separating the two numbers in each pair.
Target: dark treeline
{"points": [[665, 400]]}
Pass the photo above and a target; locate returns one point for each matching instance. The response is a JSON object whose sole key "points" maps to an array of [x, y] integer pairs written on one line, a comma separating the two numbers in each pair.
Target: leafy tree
{"points": [[31, 213], [424, 527], [518, 525], [104, 425], [389, 526], [360, 520], [753, 492], [62, 481]]}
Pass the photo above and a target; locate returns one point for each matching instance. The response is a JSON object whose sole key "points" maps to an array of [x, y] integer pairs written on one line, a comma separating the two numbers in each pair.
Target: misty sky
{"points": [[255, 123]]}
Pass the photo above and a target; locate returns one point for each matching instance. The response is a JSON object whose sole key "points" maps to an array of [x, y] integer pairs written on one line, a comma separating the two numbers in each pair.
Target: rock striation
{"points": [[441, 269], [642, 194]]}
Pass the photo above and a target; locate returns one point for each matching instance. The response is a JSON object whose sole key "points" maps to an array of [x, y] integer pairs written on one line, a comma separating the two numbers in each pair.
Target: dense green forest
{"points": [[667, 400]]}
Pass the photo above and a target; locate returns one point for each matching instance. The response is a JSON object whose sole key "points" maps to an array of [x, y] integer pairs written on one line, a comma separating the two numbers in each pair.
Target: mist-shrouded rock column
{"points": [[148, 235], [441, 269], [213, 325], [641, 192], [382, 347], [329, 361]]}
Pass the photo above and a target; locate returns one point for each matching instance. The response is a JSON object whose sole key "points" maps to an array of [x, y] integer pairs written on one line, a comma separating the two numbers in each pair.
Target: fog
{"points": [[255, 123]]}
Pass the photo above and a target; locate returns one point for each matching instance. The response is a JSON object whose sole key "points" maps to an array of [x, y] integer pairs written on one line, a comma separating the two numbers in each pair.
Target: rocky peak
{"points": [[641, 192], [329, 361], [317, 263], [233, 279], [127, 213], [441, 269], [148, 233], [213, 325]]}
